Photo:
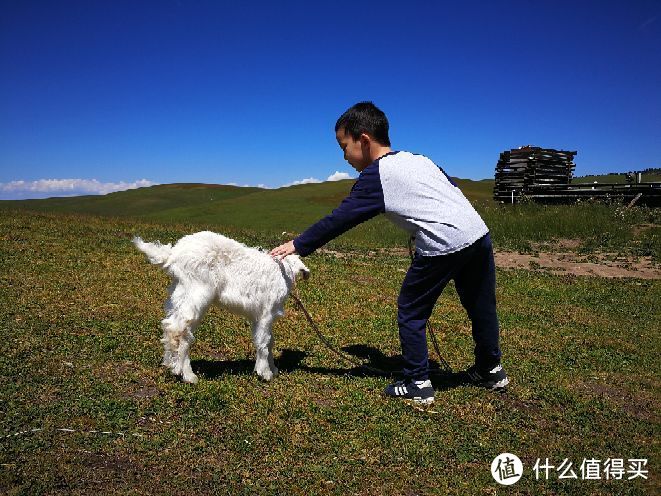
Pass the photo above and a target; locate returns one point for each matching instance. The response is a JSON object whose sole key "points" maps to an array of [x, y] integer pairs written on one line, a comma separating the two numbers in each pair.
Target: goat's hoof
{"points": [[191, 379], [270, 375], [267, 374]]}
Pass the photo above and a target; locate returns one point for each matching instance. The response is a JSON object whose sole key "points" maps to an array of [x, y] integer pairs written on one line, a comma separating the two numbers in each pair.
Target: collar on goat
{"points": [[287, 274]]}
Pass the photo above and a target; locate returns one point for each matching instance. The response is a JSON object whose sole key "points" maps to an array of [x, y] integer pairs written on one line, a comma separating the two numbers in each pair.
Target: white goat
{"points": [[206, 268]]}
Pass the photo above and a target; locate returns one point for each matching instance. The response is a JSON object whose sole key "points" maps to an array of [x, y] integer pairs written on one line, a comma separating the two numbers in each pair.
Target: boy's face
{"points": [[356, 152]]}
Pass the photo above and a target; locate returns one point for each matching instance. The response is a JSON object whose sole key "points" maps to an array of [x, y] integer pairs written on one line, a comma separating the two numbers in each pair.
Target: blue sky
{"points": [[106, 93]]}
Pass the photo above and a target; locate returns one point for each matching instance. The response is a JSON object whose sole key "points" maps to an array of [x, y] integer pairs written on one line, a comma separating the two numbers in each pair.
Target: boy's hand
{"points": [[283, 250]]}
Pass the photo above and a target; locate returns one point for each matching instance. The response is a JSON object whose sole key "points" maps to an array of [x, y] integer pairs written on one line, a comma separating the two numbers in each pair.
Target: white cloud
{"points": [[338, 176], [44, 188], [260, 185], [309, 180]]}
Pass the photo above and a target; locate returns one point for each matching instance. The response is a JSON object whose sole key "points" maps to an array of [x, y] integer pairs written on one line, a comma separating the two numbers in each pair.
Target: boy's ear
{"points": [[365, 140]]}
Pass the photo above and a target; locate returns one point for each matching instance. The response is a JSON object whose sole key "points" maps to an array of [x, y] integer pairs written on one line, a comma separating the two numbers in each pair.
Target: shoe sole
{"points": [[497, 385], [491, 385], [418, 400]]}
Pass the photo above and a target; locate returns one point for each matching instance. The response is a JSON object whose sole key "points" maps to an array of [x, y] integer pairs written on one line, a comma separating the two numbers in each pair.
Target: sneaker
{"points": [[496, 378], [418, 391]]}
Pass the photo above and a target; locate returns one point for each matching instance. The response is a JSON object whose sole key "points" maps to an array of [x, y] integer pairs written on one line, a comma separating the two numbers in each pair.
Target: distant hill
{"points": [[209, 206], [213, 203], [290, 208]]}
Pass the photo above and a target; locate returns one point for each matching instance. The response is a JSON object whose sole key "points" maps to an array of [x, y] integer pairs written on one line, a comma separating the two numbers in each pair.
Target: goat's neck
{"points": [[287, 273]]}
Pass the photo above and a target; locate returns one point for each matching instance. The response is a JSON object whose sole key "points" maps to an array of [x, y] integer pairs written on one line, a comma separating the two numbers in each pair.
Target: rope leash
{"points": [[443, 364], [328, 344], [68, 431]]}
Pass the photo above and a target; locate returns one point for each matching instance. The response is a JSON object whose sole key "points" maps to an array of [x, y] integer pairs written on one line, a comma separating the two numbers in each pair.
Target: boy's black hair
{"points": [[365, 117]]}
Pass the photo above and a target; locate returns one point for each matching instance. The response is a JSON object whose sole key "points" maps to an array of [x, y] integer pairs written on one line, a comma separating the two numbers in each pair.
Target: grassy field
{"points": [[80, 311], [297, 206], [597, 227]]}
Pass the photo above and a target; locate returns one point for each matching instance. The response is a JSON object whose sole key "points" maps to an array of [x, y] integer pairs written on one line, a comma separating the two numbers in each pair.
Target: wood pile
{"points": [[522, 171]]}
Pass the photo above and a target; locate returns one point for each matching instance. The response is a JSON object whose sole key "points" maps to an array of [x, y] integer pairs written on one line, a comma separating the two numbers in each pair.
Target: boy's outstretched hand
{"points": [[283, 250]]}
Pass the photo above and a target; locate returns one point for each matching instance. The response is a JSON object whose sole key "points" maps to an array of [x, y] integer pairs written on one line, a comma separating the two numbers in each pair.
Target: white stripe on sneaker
{"points": [[423, 384], [501, 384]]}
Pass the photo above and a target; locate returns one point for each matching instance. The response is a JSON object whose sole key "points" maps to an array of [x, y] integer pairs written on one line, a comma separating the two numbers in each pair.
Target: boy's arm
{"points": [[364, 202]]}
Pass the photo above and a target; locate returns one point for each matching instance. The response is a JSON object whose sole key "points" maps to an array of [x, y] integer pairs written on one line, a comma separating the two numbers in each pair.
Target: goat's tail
{"points": [[156, 252]]}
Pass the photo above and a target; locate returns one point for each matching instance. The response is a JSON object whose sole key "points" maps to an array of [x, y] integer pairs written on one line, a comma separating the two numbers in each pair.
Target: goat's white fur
{"points": [[207, 268]]}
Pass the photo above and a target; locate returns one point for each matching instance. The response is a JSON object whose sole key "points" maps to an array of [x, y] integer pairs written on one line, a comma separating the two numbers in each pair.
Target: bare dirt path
{"points": [[560, 262]]}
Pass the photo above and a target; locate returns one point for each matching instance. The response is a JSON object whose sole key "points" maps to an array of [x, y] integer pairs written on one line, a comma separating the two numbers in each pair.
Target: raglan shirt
{"points": [[415, 194]]}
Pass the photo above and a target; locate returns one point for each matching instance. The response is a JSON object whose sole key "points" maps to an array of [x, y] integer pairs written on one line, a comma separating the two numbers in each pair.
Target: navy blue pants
{"points": [[474, 274]]}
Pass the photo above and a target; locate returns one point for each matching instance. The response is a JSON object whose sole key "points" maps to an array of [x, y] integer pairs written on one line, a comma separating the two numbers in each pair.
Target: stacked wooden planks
{"points": [[544, 175], [641, 194], [523, 170]]}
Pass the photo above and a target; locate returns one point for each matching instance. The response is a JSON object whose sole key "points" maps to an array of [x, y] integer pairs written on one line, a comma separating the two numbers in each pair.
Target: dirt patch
{"points": [[527, 406], [364, 279], [562, 244], [640, 405], [324, 403], [144, 392], [641, 228], [135, 382], [334, 253], [556, 263], [397, 252], [563, 263]]}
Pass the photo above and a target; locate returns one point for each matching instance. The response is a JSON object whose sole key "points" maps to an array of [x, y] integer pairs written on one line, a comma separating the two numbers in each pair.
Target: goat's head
{"points": [[297, 267]]}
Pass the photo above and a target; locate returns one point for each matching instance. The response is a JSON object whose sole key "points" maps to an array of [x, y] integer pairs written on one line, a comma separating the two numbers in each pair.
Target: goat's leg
{"points": [[186, 309], [183, 365], [263, 339], [177, 340], [170, 340], [170, 326]]}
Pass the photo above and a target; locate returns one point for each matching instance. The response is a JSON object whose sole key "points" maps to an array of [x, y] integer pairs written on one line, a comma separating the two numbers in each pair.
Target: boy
{"points": [[451, 242]]}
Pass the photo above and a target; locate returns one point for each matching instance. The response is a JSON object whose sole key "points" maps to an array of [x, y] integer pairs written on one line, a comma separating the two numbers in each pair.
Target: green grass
{"points": [[80, 311], [597, 227]]}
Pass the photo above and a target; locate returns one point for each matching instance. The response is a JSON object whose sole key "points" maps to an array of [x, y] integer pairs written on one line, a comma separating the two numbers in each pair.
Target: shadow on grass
{"points": [[375, 364]]}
